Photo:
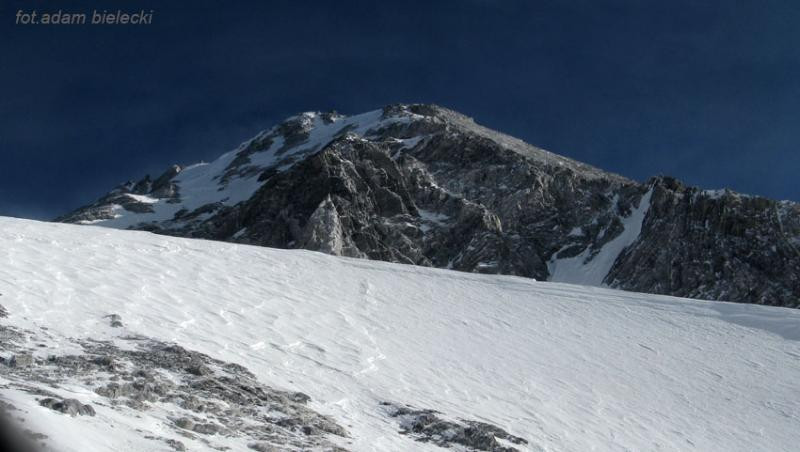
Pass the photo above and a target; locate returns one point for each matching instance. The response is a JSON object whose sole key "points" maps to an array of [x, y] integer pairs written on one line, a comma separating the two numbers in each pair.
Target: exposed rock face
{"points": [[323, 232], [424, 185], [719, 245]]}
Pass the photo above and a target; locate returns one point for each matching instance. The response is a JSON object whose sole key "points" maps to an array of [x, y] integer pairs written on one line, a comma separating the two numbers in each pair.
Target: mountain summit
{"points": [[424, 185]]}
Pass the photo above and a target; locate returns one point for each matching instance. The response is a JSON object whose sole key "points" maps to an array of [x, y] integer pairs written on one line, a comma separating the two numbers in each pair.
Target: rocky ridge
{"points": [[423, 185]]}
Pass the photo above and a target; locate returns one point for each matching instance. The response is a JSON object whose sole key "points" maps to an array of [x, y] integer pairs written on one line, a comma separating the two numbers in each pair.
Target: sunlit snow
{"points": [[569, 368]]}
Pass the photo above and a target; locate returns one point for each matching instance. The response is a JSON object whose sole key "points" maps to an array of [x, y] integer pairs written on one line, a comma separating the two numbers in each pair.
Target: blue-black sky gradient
{"points": [[707, 91]]}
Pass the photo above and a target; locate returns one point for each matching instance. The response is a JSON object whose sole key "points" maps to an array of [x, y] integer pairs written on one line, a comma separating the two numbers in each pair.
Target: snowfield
{"points": [[566, 367]]}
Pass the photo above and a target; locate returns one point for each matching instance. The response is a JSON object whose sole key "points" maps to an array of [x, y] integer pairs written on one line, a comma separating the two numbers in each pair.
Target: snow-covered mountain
{"points": [[420, 184], [162, 343]]}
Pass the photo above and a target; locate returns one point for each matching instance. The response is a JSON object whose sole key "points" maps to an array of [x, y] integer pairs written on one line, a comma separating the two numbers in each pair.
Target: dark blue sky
{"points": [[707, 91]]}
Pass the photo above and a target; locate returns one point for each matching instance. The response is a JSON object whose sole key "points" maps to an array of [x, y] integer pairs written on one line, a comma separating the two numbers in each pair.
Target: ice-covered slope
{"points": [[567, 368]]}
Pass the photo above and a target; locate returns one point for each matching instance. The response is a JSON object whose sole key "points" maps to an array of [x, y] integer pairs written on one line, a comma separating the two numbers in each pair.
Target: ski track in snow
{"points": [[569, 368]]}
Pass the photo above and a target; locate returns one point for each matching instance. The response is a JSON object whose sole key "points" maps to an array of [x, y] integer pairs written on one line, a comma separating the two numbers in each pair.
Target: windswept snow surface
{"points": [[569, 368], [591, 270]]}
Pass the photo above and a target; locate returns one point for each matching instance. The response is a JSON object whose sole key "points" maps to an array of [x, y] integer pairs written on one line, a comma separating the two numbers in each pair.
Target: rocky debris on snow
{"points": [[175, 444], [36, 436], [115, 320], [73, 407], [172, 443], [214, 399], [3, 311], [429, 426], [21, 360], [9, 336], [261, 447]]}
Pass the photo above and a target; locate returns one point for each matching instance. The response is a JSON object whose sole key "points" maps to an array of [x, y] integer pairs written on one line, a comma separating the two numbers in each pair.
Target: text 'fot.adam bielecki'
{"points": [[96, 17]]}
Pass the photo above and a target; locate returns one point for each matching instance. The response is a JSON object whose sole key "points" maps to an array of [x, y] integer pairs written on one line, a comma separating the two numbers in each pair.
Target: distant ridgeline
{"points": [[423, 185]]}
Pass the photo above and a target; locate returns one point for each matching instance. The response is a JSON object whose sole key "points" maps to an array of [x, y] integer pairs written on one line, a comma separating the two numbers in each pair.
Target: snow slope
{"points": [[569, 368]]}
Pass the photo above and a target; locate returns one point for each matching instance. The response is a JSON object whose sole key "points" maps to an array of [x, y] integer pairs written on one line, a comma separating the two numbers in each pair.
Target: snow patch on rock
{"points": [[590, 268]]}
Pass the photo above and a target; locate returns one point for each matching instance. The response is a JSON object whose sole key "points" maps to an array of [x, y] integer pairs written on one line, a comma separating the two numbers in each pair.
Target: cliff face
{"points": [[716, 245], [424, 185]]}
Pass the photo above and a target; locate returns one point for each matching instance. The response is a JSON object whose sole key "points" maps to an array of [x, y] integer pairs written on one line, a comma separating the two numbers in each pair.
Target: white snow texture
{"points": [[567, 367]]}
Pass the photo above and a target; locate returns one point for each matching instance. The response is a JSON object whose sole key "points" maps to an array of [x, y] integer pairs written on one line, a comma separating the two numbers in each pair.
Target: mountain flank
{"points": [[424, 185]]}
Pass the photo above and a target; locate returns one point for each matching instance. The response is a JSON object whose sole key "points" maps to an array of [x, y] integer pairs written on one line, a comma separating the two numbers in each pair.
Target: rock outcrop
{"points": [[429, 426], [183, 393]]}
